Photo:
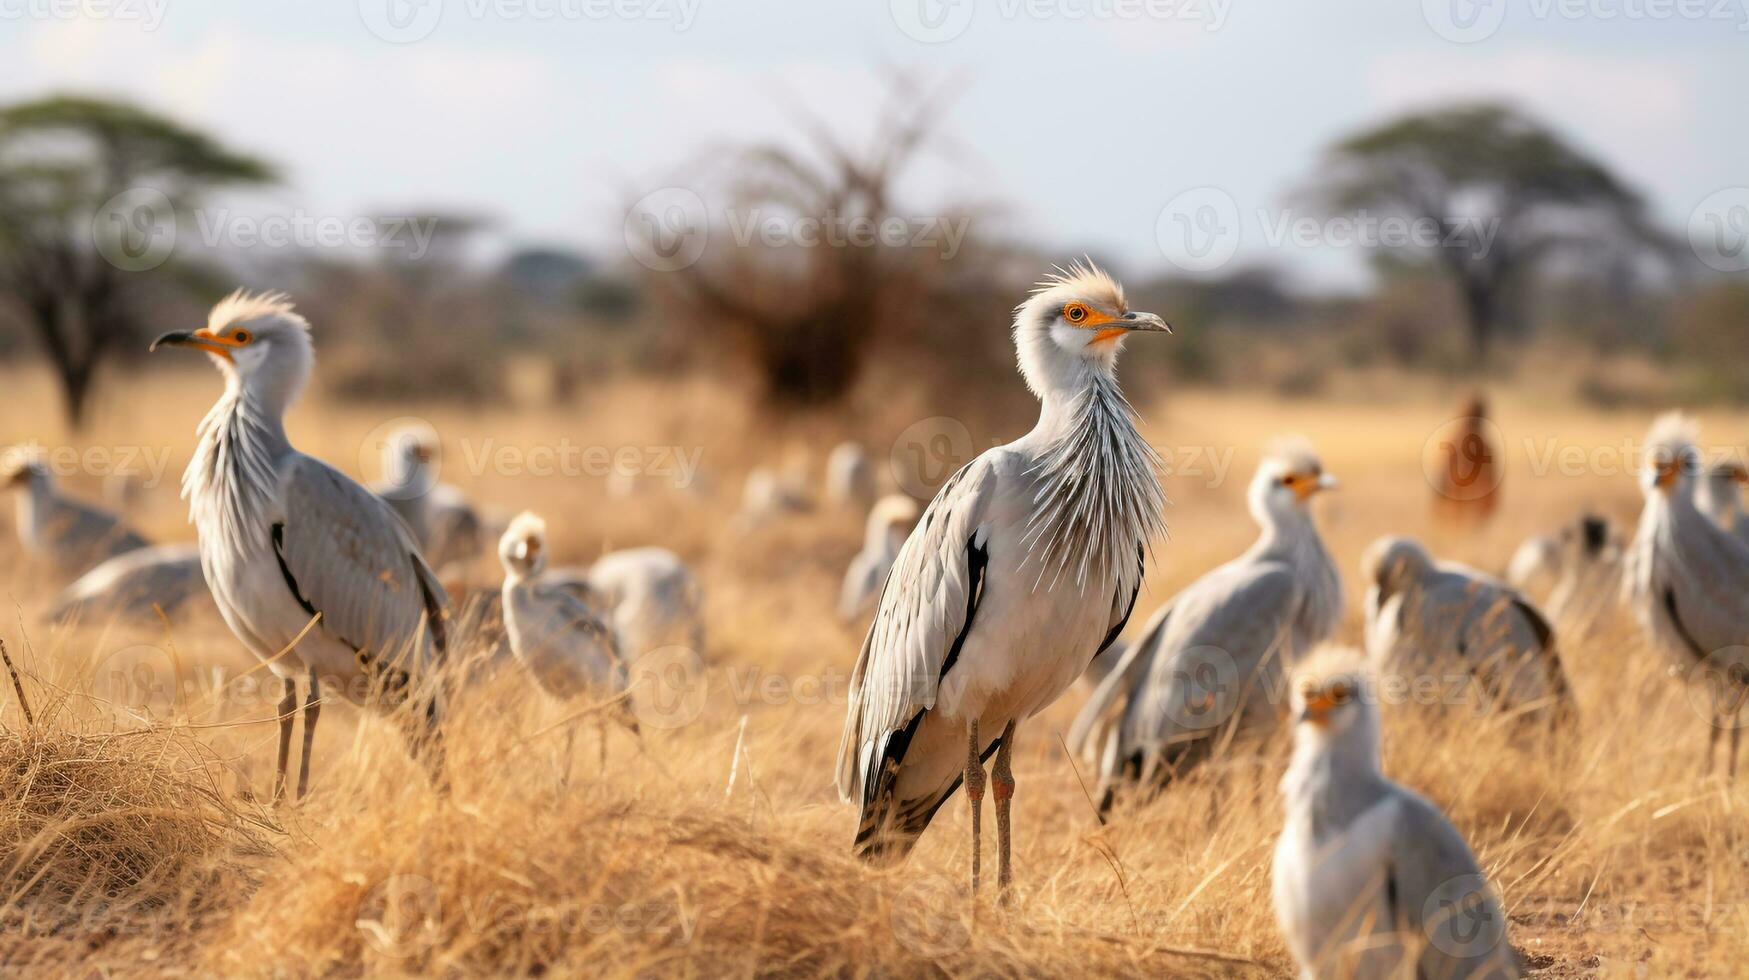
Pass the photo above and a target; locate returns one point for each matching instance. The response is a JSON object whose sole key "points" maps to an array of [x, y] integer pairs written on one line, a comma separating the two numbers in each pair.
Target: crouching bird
{"points": [[1024, 566], [314, 574], [1370, 879]]}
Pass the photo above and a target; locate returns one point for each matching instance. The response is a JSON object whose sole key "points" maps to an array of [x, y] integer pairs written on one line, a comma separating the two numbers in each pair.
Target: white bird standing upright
{"points": [[1210, 661], [559, 640], [1688, 581], [1427, 619], [446, 526], [850, 477], [889, 523], [69, 534], [1026, 564], [312, 572], [1719, 495], [1371, 880]]}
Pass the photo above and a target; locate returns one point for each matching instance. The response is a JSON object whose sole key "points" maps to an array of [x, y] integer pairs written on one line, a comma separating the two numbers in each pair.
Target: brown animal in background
{"points": [[1467, 474]]}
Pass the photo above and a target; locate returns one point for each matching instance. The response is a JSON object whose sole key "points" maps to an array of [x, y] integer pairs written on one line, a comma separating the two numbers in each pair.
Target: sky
{"points": [[1121, 128]]}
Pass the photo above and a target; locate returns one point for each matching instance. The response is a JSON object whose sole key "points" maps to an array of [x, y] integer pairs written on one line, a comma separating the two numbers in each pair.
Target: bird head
{"points": [[1331, 697], [893, 515], [408, 453], [1075, 320], [1391, 563], [523, 548], [1672, 461], [257, 340], [1288, 478]]}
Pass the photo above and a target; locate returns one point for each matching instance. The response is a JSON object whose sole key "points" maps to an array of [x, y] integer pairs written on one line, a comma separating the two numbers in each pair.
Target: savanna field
{"points": [[136, 836]]}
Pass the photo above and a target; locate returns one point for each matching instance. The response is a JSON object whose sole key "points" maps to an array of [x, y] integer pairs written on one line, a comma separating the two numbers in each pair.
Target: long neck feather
{"points": [[231, 481], [1098, 500]]}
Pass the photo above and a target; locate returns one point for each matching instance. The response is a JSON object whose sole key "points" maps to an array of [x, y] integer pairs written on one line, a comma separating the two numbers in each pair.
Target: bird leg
{"points": [[1002, 780], [312, 711], [975, 796], [288, 709], [1712, 742], [425, 744]]}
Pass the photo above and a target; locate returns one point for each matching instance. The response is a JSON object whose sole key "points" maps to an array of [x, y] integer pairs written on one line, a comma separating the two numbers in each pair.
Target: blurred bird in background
{"points": [[1719, 495], [68, 534], [889, 523], [850, 476], [1688, 582], [1210, 662], [566, 648], [447, 527], [1444, 621]]}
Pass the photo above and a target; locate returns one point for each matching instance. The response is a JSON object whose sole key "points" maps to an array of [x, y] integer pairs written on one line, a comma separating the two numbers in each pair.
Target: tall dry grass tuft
{"points": [[113, 836]]}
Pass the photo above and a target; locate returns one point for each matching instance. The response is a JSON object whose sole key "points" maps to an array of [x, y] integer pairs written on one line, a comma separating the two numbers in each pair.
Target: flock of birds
{"points": [[1013, 583]]}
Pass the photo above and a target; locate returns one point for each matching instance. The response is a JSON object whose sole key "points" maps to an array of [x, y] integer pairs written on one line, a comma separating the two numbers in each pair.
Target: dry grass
{"points": [[132, 834]]}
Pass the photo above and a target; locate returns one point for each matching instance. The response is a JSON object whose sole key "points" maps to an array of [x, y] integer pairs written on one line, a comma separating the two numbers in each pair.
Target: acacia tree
{"points": [[1494, 195], [806, 311], [91, 192]]}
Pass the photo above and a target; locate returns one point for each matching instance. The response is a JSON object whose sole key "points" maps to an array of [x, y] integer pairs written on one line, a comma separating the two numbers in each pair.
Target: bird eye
{"points": [[1075, 313], [241, 337], [1340, 693]]}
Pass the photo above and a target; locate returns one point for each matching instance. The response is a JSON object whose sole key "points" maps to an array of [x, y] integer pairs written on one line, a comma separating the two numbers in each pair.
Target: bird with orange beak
{"points": [[1687, 581], [1369, 878], [314, 574], [1023, 568], [1205, 664]]}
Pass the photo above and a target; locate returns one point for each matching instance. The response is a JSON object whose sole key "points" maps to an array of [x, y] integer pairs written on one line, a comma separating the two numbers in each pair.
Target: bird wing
{"points": [[1118, 684], [571, 612], [344, 554], [1222, 655], [925, 611], [1439, 894]]}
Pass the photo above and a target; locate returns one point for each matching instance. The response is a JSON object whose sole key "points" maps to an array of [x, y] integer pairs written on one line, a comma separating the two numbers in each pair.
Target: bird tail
{"points": [[889, 828]]}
